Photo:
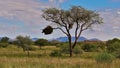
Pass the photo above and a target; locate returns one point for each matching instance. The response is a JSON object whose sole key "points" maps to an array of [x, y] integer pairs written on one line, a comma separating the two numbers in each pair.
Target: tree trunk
{"points": [[70, 47], [71, 51], [74, 44]]}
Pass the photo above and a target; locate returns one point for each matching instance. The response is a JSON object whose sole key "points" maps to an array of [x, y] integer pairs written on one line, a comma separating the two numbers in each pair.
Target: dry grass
{"points": [[50, 62], [14, 57]]}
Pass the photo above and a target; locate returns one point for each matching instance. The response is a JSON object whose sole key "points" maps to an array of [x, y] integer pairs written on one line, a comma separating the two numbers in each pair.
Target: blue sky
{"points": [[92, 4], [23, 17]]}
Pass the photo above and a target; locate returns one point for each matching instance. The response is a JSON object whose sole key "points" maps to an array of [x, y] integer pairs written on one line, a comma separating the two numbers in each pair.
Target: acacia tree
{"points": [[77, 18], [24, 42]]}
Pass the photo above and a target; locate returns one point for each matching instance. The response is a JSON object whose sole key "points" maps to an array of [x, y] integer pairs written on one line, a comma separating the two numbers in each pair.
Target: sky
{"points": [[23, 17]]}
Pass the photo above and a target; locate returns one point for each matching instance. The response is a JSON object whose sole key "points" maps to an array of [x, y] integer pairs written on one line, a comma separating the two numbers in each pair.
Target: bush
{"points": [[56, 53], [76, 50], [104, 58], [3, 45], [116, 54], [42, 42], [89, 47], [113, 47]]}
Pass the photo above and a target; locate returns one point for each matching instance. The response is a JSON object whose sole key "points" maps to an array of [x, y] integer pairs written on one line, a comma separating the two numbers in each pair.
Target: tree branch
{"points": [[87, 26], [62, 30]]}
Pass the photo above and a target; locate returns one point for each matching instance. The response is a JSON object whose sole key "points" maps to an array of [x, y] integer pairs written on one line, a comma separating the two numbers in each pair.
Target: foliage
{"points": [[89, 47], [41, 42], [113, 45], [77, 50], [24, 42], [104, 58], [117, 54], [4, 42], [4, 39], [93, 46]]}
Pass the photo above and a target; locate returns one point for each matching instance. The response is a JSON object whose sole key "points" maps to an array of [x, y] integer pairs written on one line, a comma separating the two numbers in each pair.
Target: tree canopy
{"points": [[24, 42]]}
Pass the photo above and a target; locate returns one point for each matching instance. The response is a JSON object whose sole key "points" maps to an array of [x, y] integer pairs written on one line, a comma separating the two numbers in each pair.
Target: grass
{"points": [[13, 57], [50, 62]]}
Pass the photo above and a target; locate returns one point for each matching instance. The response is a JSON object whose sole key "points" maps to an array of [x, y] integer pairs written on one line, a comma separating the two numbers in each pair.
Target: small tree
{"points": [[41, 42], [24, 42], [4, 42], [79, 18]]}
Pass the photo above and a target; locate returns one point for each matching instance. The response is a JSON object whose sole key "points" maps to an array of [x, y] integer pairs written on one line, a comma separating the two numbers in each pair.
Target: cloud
{"points": [[118, 12], [22, 16], [111, 26], [28, 11], [59, 1]]}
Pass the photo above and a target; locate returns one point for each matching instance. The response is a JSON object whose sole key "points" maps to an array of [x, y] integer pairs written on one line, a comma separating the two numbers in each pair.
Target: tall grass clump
{"points": [[104, 58], [55, 53]]}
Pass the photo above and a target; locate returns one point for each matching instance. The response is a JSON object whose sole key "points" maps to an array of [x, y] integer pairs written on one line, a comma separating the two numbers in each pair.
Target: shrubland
{"points": [[87, 54]]}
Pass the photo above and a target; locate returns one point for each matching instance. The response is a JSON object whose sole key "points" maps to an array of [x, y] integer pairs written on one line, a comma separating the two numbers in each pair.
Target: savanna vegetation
{"points": [[54, 54]]}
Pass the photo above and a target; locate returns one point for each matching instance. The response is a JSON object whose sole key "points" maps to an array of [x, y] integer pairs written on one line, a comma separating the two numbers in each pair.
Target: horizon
{"points": [[23, 17], [58, 38]]}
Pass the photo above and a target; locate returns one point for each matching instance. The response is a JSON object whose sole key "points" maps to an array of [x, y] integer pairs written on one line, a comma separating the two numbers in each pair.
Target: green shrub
{"points": [[104, 58], [113, 47], [89, 47], [77, 50], [42, 42], [56, 53], [100, 47], [116, 54]]}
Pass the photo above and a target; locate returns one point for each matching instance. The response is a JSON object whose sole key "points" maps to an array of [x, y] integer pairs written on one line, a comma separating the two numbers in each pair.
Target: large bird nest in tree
{"points": [[47, 30]]}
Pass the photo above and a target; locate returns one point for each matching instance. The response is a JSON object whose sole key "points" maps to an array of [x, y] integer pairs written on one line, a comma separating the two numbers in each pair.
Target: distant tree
{"points": [[79, 18], [41, 42], [112, 41], [24, 42], [55, 42], [5, 40]]}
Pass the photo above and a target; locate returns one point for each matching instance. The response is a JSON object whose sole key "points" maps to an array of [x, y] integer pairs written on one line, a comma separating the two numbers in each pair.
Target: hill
{"points": [[65, 39]]}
